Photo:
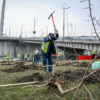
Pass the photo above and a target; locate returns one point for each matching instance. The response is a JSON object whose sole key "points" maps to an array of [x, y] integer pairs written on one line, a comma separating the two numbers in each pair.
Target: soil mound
{"points": [[33, 77], [19, 63], [75, 64], [61, 77], [20, 67], [67, 64], [3, 62], [93, 78], [84, 64], [7, 64]]}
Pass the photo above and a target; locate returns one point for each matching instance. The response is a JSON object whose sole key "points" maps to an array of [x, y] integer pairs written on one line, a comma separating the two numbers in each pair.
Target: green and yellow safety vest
{"points": [[45, 46]]}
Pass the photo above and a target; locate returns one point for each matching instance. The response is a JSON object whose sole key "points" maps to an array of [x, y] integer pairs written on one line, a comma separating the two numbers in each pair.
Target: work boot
{"points": [[45, 69], [50, 68]]}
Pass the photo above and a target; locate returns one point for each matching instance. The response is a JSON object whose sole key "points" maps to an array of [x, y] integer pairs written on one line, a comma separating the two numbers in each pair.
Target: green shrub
{"points": [[8, 57], [31, 55], [22, 55]]}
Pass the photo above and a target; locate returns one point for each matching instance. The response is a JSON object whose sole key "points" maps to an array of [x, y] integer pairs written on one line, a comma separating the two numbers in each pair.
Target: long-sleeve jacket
{"points": [[48, 45]]}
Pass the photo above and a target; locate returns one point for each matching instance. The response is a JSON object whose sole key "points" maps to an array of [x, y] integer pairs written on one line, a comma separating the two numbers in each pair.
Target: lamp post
{"points": [[9, 30], [6, 32], [71, 28], [46, 30], [25, 33], [34, 32], [64, 20], [4, 26], [21, 30], [42, 31]]}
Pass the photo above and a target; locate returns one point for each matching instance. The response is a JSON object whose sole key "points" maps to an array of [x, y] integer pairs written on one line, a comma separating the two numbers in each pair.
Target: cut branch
{"points": [[92, 73], [18, 84], [88, 92], [83, 0], [86, 8], [92, 20], [62, 91], [38, 86]]}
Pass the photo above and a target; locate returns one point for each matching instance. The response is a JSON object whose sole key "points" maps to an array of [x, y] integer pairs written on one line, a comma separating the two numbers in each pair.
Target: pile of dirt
{"points": [[84, 64], [30, 78], [3, 62], [67, 64], [61, 77], [75, 64], [20, 68], [7, 64], [19, 63], [93, 78]]}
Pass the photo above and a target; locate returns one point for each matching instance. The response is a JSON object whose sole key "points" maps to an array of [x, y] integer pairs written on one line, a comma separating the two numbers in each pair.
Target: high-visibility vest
{"points": [[45, 46]]}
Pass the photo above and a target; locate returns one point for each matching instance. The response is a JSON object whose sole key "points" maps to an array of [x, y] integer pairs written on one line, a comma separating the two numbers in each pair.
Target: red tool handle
{"points": [[53, 20]]}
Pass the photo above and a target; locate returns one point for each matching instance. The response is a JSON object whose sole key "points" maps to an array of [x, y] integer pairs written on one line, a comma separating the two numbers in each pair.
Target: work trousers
{"points": [[36, 60], [50, 63]]}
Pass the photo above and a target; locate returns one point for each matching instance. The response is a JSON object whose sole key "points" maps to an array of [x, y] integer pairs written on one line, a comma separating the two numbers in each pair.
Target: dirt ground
{"points": [[19, 67], [74, 64], [28, 72], [60, 76]]}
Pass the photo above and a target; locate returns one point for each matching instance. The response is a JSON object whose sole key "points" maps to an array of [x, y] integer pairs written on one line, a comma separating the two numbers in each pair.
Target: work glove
{"points": [[55, 31], [56, 35]]}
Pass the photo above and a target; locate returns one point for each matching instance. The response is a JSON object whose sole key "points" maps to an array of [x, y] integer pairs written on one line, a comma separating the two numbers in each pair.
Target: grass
{"points": [[32, 93]]}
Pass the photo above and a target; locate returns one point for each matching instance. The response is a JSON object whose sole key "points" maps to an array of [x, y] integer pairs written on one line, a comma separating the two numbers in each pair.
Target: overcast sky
{"points": [[22, 12]]}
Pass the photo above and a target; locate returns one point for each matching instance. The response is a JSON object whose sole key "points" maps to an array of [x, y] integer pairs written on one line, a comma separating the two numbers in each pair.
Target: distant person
{"points": [[33, 56], [26, 56], [18, 56], [58, 56], [36, 56], [48, 48]]}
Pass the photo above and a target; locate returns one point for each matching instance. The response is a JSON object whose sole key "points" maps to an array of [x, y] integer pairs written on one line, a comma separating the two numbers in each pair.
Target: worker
{"points": [[33, 56], [36, 56], [48, 48], [26, 56]]}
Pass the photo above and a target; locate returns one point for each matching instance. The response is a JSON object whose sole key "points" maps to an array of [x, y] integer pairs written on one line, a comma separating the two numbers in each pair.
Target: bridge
{"points": [[14, 44], [66, 44]]}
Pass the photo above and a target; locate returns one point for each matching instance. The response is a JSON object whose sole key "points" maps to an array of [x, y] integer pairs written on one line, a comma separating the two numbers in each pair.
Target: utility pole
{"points": [[71, 28], [21, 30], [9, 31], [64, 20], [34, 32], [46, 30], [25, 33], [42, 32], [2, 17], [6, 32]]}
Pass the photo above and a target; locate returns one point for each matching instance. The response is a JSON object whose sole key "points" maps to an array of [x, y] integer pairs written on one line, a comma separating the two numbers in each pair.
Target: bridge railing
{"points": [[76, 38]]}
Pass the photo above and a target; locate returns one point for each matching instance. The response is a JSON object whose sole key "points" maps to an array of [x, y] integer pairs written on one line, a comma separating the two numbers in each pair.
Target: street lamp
{"points": [[64, 20], [42, 31], [9, 30], [25, 33], [21, 30], [6, 32], [46, 30], [34, 32], [71, 28], [3, 27]]}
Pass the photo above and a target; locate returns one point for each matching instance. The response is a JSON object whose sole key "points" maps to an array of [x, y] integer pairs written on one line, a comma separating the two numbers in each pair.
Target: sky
{"points": [[21, 13]]}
